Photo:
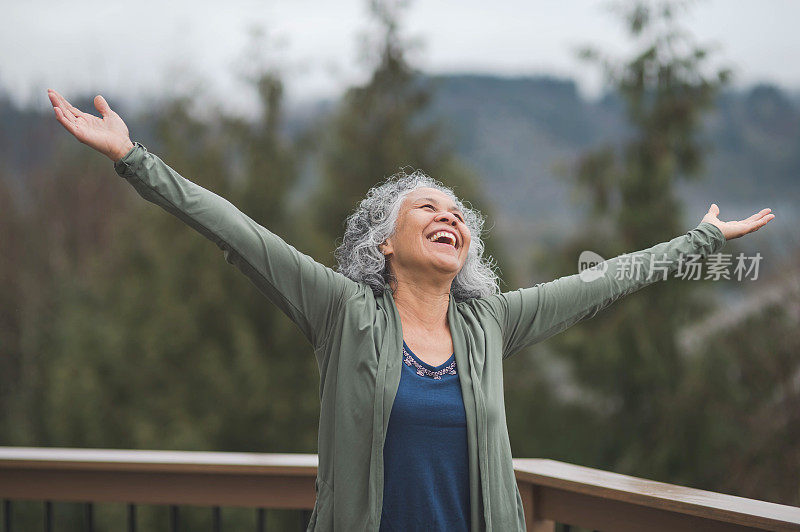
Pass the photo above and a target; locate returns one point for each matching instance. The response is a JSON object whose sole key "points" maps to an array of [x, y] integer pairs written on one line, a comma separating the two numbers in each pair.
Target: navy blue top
{"points": [[425, 461]]}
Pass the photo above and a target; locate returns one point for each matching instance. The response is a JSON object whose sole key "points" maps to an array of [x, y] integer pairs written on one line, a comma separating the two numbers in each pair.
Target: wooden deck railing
{"points": [[567, 493], [551, 491]]}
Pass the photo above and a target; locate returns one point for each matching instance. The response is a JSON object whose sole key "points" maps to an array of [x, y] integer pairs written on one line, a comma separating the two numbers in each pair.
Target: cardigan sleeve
{"points": [[530, 315], [309, 293]]}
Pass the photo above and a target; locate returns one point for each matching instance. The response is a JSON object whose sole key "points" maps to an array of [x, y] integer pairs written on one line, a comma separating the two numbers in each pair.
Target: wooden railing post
{"points": [[533, 519]]}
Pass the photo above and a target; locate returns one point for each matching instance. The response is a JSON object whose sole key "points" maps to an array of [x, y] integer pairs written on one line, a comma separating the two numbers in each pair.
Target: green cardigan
{"points": [[357, 339]]}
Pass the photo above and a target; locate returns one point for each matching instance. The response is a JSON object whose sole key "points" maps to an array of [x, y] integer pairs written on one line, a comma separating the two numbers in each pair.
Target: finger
{"points": [[58, 109], [74, 110], [101, 105], [56, 98], [758, 215], [758, 218], [65, 108], [66, 115], [62, 119], [53, 100], [761, 223], [69, 109]]}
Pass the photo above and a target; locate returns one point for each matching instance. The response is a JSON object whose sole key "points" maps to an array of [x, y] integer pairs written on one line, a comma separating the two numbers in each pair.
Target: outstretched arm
{"points": [[530, 315], [308, 292]]}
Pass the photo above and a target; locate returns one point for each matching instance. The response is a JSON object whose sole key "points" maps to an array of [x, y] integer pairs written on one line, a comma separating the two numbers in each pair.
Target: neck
{"points": [[422, 306]]}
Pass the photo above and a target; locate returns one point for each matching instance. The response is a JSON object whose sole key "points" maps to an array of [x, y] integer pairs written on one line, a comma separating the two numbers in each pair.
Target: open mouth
{"points": [[444, 237]]}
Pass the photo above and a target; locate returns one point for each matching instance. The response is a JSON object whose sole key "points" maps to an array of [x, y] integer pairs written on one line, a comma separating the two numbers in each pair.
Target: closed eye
{"points": [[460, 218]]}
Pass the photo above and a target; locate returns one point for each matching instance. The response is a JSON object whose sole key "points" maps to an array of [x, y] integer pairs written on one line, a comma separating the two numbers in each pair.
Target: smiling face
{"points": [[430, 237]]}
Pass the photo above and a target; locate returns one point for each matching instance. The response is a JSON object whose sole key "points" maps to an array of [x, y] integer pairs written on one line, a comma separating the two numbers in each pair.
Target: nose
{"points": [[447, 218]]}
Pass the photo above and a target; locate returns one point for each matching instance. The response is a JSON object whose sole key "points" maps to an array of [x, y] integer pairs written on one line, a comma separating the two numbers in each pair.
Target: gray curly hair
{"points": [[375, 219]]}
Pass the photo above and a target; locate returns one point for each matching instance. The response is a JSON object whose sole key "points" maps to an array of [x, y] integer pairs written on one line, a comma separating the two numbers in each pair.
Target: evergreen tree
{"points": [[743, 394], [186, 346], [626, 362], [56, 210], [166, 346], [11, 298], [380, 127]]}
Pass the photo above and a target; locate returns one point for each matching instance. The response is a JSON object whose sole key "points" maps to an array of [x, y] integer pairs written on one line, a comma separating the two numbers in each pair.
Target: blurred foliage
{"points": [[152, 345], [635, 394], [379, 128], [118, 328], [740, 400]]}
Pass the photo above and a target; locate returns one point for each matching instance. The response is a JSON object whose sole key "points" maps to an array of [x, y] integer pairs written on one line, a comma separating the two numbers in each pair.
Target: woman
{"points": [[409, 335]]}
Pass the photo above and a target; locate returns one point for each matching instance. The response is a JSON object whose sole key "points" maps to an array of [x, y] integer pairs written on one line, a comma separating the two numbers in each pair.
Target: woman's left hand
{"points": [[737, 228]]}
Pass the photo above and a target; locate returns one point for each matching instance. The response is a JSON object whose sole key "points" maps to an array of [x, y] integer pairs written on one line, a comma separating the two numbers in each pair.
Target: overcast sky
{"points": [[138, 48]]}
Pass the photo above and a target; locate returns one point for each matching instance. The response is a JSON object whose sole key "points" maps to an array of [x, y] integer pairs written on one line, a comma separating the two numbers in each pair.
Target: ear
{"points": [[386, 248]]}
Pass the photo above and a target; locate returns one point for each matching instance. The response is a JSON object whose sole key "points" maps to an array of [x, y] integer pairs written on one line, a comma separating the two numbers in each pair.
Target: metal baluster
{"points": [[6, 515], [88, 512], [173, 519], [216, 517], [131, 518], [48, 516], [261, 520]]}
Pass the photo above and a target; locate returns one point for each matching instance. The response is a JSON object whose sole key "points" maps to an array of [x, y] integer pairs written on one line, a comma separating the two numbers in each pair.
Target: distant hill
{"points": [[513, 131]]}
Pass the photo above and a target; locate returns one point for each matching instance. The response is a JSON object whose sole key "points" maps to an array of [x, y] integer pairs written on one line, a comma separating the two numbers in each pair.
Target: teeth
{"points": [[439, 234]]}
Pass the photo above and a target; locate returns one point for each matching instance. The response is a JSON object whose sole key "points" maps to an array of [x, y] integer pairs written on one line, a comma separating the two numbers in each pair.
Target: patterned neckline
{"points": [[410, 360]]}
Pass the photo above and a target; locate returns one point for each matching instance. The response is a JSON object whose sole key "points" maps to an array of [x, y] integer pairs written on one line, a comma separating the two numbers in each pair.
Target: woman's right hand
{"points": [[108, 135]]}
